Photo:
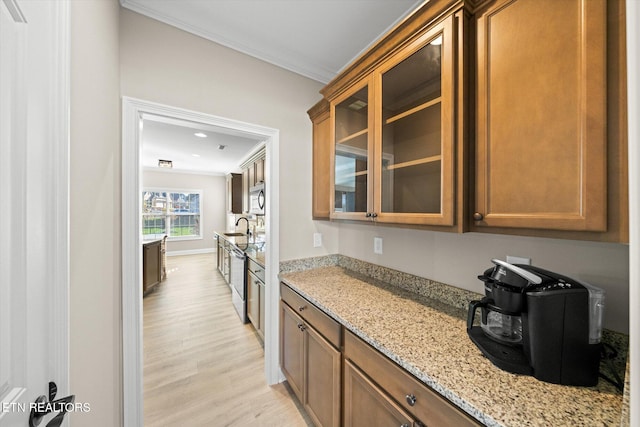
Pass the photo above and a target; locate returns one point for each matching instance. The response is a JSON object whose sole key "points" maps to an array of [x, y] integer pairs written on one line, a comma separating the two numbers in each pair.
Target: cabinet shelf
{"points": [[350, 175], [352, 136], [415, 162], [413, 110]]}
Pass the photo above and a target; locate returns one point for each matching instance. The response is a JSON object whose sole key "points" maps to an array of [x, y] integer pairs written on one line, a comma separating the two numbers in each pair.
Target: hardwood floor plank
{"points": [[202, 367]]}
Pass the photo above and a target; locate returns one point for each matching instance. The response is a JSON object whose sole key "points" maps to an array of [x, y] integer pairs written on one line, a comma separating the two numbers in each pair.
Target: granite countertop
{"points": [[428, 338], [253, 248], [148, 242]]}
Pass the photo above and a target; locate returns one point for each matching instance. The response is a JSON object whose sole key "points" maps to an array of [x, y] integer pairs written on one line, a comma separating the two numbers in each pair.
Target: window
{"points": [[173, 213]]}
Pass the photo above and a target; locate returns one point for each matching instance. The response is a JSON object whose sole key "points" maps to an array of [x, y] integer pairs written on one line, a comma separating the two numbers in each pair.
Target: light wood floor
{"points": [[202, 367]]}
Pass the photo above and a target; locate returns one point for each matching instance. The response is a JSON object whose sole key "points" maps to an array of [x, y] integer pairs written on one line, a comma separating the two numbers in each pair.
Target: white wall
{"points": [[162, 64], [95, 297], [212, 216]]}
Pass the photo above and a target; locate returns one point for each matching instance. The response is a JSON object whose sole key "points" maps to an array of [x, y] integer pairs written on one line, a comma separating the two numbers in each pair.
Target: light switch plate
{"points": [[377, 245], [518, 260], [317, 240]]}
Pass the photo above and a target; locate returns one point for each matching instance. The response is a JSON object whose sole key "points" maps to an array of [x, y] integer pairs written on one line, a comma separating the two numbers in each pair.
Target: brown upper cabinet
{"points": [[252, 175], [498, 116], [541, 115], [392, 151], [234, 193], [319, 115]]}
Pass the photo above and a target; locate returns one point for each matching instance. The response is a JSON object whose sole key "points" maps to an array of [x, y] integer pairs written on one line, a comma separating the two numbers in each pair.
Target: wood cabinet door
{"points": [[151, 261], [322, 379], [291, 349], [351, 164], [414, 180], [253, 300], [245, 190], [366, 405], [541, 115], [262, 312], [321, 160], [259, 170]]}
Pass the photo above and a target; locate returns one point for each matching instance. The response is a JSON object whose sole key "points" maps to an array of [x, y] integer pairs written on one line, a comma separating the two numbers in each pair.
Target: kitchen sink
{"points": [[234, 234]]}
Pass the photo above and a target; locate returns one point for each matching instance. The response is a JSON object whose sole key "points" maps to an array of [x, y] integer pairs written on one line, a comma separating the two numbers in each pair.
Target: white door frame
{"points": [[133, 111], [633, 93]]}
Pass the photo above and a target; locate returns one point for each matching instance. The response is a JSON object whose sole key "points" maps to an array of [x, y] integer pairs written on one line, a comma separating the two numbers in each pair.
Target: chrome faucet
{"points": [[238, 222]]}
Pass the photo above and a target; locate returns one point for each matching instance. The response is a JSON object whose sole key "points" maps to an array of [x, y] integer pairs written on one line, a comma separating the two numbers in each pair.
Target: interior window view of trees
{"points": [[174, 214]]}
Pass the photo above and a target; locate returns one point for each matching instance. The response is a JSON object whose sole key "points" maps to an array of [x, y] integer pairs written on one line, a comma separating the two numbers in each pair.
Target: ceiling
{"points": [[314, 38], [175, 140]]}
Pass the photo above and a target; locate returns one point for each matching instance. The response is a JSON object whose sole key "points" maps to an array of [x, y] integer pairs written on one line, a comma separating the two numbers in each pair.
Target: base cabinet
{"points": [[365, 404], [333, 372], [396, 385], [255, 303], [311, 364]]}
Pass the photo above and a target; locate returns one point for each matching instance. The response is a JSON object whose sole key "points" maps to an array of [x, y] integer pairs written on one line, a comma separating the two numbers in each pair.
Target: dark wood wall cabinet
{"points": [[253, 173], [234, 193], [499, 116], [314, 351]]}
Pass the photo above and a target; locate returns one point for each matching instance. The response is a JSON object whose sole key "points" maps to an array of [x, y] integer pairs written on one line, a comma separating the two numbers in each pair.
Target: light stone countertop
{"points": [[254, 249], [428, 338]]}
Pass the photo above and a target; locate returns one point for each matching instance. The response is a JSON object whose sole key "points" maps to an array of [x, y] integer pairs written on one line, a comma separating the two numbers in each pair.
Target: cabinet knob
{"points": [[374, 215], [302, 307], [411, 399], [368, 215], [302, 326], [405, 425], [477, 216]]}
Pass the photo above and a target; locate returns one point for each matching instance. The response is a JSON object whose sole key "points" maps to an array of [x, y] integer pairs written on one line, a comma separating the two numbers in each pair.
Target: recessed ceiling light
{"points": [[196, 155], [221, 147], [358, 105], [200, 134]]}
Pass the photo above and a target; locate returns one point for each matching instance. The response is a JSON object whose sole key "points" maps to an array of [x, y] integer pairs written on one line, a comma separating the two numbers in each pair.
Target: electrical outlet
{"points": [[317, 240], [518, 260], [377, 245]]}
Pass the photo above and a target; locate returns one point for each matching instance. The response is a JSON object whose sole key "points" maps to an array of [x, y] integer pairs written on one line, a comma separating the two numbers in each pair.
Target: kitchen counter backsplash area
{"points": [[443, 298]]}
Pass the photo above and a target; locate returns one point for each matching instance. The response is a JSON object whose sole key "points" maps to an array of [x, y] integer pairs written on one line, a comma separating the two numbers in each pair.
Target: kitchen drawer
{"points": [[328, 327], [414, 396], [256, 269]]}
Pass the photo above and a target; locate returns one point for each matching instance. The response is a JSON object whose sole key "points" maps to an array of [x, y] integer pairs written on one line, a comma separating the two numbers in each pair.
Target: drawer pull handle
{"points": [[411, 399], [302, 307]]}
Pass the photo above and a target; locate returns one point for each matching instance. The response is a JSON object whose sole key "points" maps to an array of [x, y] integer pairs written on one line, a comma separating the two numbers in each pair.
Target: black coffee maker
{"points": [[536, 322]]}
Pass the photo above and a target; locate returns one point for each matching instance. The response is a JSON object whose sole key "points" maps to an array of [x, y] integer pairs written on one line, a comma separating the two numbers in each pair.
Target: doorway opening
{"points": [[134, 112]]}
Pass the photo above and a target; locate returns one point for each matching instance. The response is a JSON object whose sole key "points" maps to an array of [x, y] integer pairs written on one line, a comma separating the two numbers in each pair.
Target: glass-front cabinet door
{"points": [[415, 133], [352, 131]]}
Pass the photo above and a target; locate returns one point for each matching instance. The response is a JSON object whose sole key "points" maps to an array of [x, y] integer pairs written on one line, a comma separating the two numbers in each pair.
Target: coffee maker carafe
{"points": [[536, 322]]}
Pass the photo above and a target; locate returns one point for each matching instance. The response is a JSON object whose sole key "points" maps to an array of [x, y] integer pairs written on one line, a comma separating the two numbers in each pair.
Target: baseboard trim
{"points": [[191, 252]]}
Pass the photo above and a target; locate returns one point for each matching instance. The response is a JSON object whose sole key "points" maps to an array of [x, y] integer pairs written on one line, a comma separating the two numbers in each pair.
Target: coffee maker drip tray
{"points": [[509, 358]]}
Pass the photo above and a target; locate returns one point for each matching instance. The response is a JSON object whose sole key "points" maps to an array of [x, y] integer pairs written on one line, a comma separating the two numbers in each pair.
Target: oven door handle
{"points": [[239, 254]]}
